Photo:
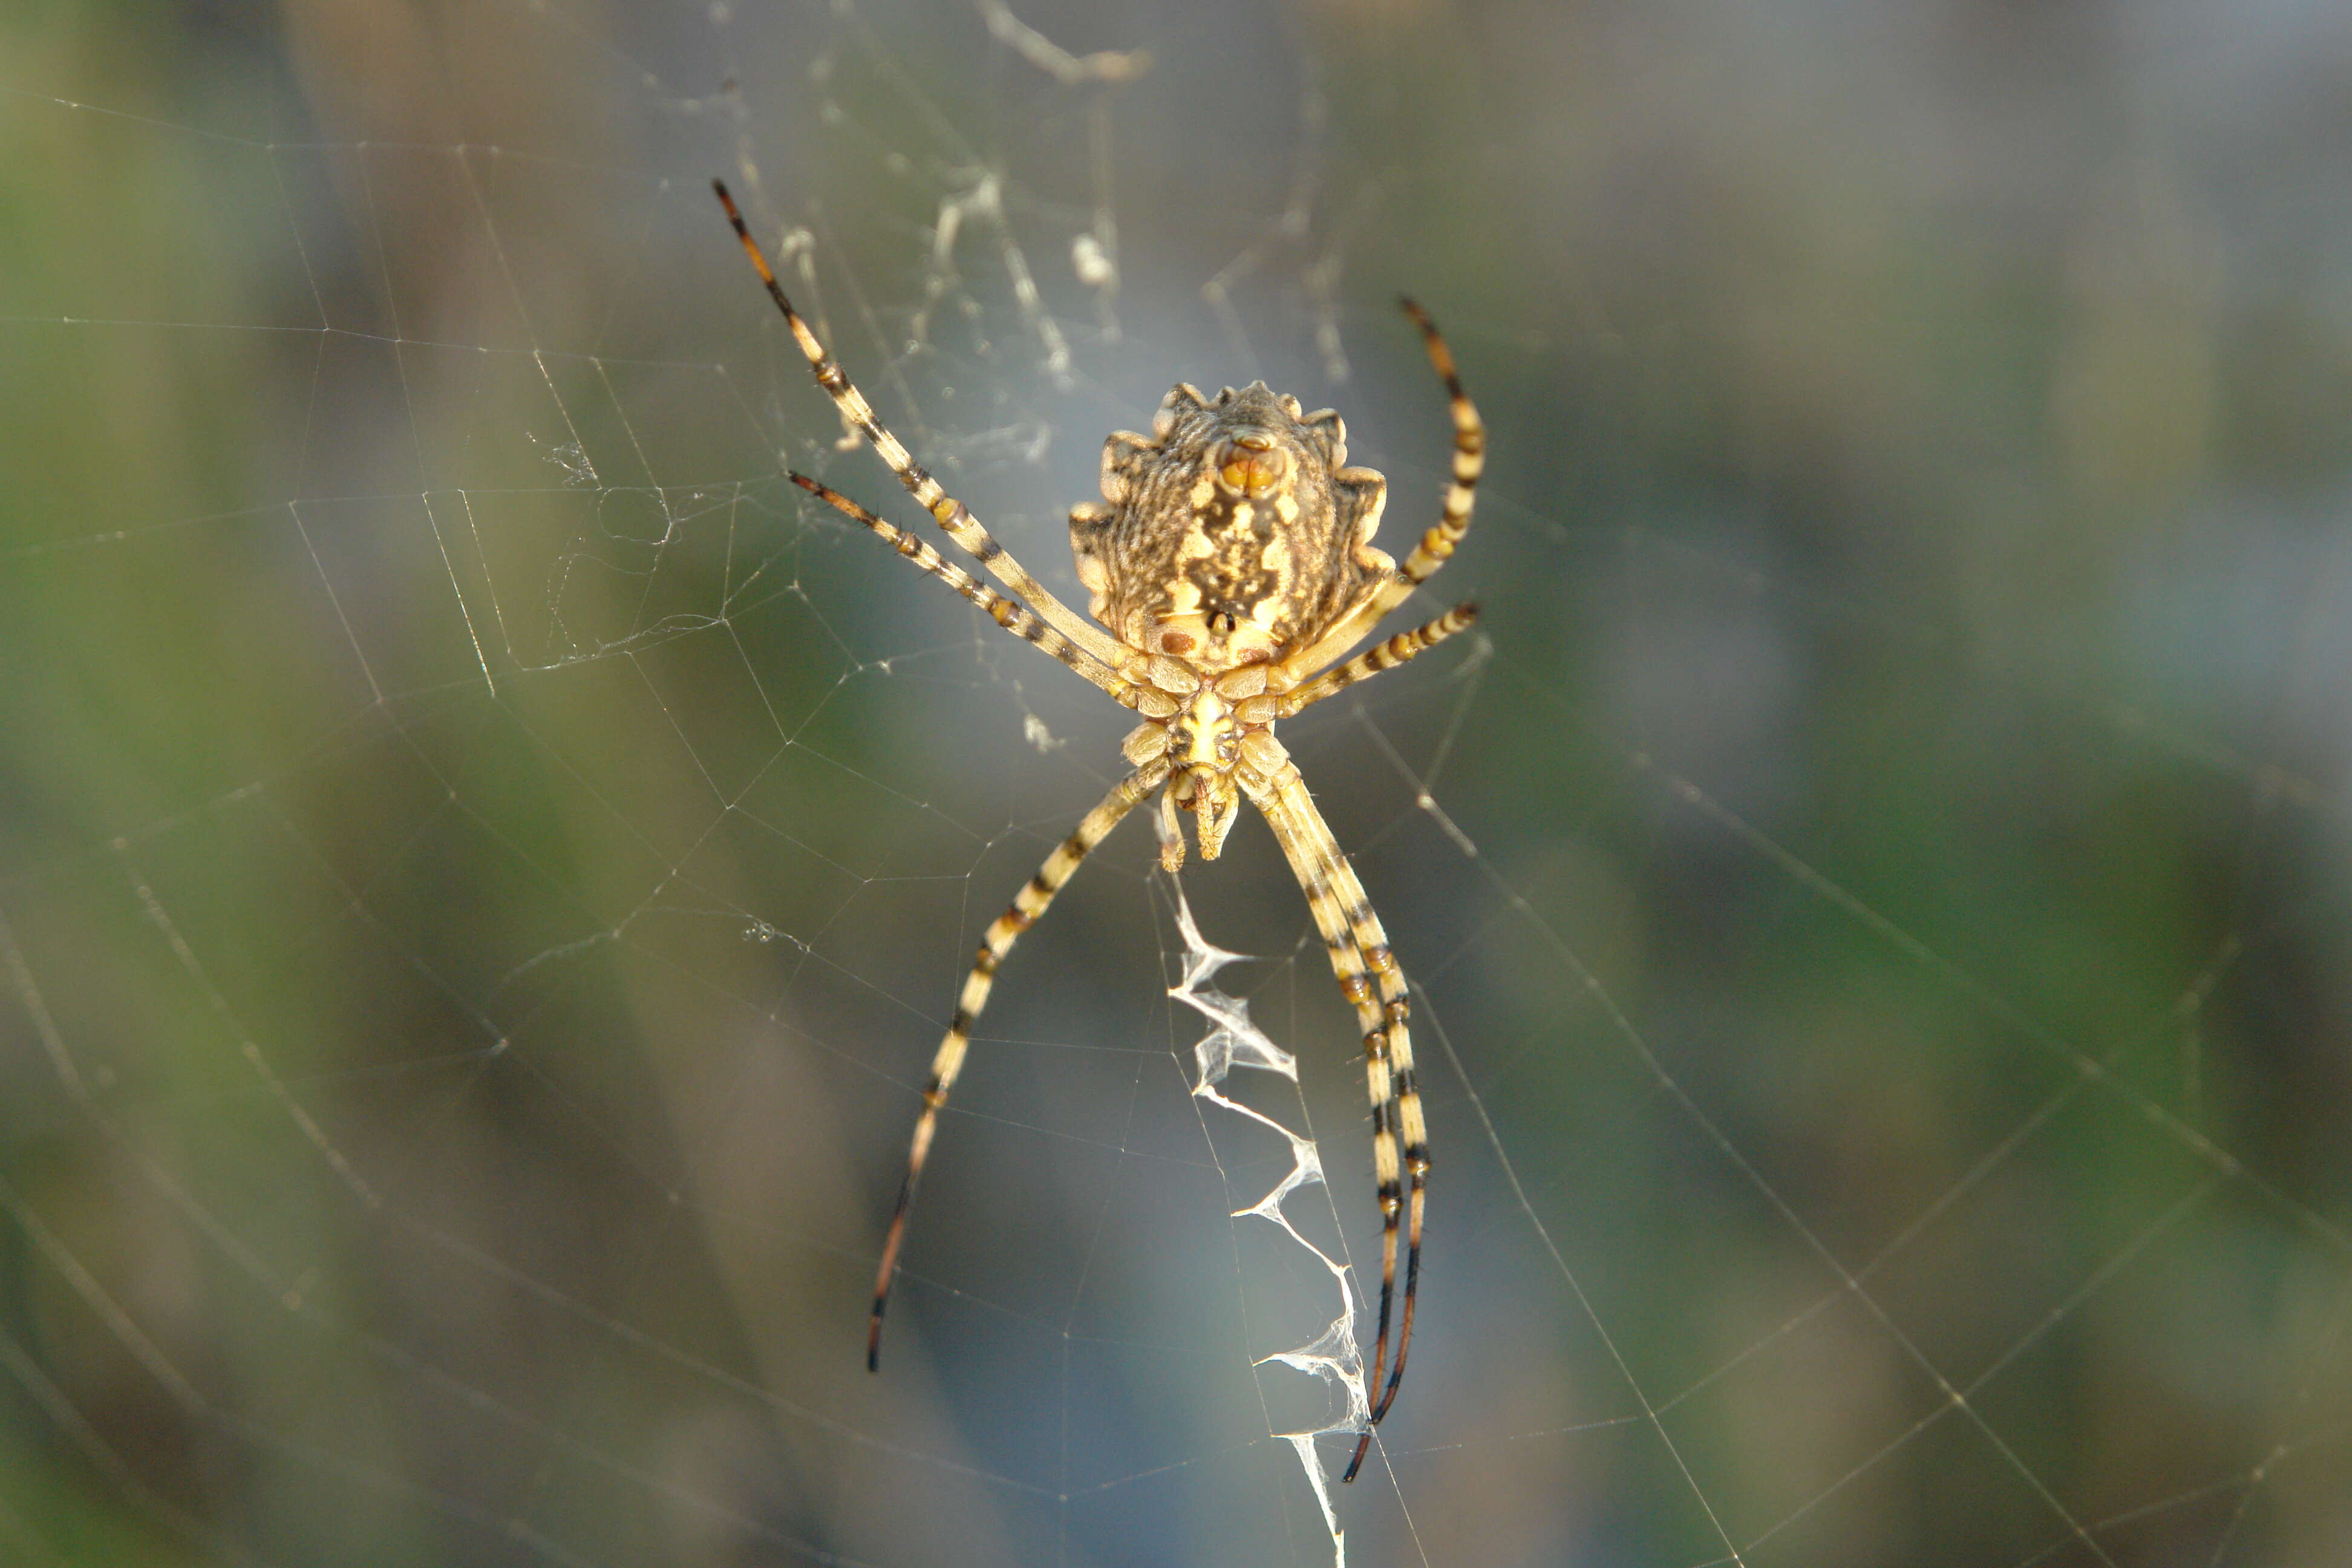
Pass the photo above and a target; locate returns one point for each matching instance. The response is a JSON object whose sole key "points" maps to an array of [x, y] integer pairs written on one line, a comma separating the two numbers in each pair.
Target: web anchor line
{"points": [[1234, 1041]]}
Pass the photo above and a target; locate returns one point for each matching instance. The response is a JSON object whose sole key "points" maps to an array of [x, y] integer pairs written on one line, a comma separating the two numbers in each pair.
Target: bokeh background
{"points": [[482, 867]]}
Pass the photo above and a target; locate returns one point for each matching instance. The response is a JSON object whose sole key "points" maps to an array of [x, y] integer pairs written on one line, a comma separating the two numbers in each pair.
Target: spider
{"points": [[1231, 558]]}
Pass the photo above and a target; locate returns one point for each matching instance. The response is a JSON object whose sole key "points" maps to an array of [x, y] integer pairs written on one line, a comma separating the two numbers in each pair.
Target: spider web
{"points": [[484, 863]]}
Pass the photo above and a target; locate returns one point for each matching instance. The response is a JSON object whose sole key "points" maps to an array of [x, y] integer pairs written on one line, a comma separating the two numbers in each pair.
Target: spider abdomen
{"points": [[1234, 533]]}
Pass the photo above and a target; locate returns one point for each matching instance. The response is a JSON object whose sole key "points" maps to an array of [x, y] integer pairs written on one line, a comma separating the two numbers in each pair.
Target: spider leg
{"points": [[1030, 903], [1406, 1111], [1010, 614], [1436, 546], [1396, 650], [1352, 934], [946, 511]]}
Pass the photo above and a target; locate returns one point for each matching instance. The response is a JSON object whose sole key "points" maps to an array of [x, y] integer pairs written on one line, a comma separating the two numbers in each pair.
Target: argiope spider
{"points": [[1230, 556]]}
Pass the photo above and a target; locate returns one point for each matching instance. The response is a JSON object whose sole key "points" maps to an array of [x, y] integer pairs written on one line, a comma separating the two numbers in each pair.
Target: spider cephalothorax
{"points": [[1233, 533], [1218, 746], [1231, 558]]}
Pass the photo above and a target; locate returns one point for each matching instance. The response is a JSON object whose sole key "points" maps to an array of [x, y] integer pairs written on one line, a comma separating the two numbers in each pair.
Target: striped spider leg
{"points": [[1010, 614], [1231, 561], [1316, 861], [1028, 905], [1437, 544], [1379, 657], [1370, 978], [946, 511]]}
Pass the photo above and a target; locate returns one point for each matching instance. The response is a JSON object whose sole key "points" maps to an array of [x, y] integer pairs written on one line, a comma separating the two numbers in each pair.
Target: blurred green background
{"points": [[482, 867]]}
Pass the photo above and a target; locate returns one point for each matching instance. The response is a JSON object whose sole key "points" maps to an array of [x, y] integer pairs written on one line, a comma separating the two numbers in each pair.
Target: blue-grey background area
{"points": [[483, 865]]}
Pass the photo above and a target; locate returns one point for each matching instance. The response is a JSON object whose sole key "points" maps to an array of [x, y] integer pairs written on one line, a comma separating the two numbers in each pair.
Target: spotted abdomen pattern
{"points": [[1236, 532]]}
